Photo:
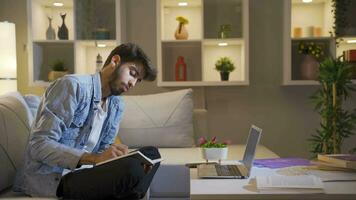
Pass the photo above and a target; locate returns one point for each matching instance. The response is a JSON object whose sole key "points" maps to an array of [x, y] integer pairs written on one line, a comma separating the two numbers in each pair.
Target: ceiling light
{"points": [[222, 44], [307, 1], [58, 4], [182, 3], [351, 41], [101, 45]]}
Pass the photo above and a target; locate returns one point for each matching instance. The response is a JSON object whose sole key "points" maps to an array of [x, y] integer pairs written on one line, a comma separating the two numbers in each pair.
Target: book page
{"points": [[136, 154], [305, 182]]}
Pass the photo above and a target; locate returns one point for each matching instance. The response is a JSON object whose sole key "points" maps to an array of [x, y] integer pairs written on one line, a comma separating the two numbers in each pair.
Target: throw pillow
{"points": [[161, 120]]}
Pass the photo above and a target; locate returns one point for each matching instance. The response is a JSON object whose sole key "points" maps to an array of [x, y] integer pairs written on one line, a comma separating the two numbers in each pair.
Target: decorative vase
{"points": [[50, 33], [309, 68], [297, 32], [181, 32], [99, 63], [180, 69], [63, 30], [214, 153], [53, 75], [224, 76]]}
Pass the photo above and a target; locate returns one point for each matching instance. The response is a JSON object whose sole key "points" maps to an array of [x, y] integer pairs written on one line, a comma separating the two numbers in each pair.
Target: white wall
{"points": [[284, 112]]}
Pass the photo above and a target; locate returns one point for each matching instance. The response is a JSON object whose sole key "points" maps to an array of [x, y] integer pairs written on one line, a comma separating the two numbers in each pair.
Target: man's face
{"points": [[125, 77]]}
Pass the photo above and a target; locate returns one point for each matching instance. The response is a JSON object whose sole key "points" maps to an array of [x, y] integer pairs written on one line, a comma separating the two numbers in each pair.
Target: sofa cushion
{"points": [[15, 120], [162, 120]]}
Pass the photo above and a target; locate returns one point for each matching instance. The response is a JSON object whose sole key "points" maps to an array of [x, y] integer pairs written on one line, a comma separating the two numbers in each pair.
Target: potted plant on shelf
{"points": [[312, 54], [212, 149], [224, 65], [58, 70], [181, 32], [225, 30], [337, 123]]}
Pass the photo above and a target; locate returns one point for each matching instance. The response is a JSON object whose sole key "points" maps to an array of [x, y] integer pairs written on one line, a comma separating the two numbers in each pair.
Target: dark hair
{"points": [[130, 52]]}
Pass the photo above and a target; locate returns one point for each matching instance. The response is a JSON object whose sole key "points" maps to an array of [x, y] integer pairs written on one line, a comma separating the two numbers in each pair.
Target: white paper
{"points": [[289, 182]]}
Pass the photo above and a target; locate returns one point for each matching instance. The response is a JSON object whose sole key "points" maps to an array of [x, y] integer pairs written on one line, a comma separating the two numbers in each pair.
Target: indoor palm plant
{"points": [[337, 123], [224, 65], [212, 149]]}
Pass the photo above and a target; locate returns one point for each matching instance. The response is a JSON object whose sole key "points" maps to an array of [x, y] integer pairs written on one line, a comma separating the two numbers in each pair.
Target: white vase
{"points": [[214, 153]]}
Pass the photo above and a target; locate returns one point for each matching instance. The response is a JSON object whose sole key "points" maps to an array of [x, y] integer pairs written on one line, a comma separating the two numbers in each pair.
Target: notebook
{"points": [[241, 170]]}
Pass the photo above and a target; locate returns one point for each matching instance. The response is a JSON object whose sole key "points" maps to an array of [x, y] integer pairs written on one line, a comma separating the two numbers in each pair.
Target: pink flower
{"points": [[213, 140], [201, 141], [226, 142]]}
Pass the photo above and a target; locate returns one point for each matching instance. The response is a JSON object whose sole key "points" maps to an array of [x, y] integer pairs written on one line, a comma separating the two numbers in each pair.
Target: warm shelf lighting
{"points": [[183, 3], [307, 1], [58, 4], [222, 44], [351, 41], [101, 45]]}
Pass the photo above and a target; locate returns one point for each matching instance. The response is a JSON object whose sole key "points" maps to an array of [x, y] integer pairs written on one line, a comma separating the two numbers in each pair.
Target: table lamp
{"points": [[8, 63]]}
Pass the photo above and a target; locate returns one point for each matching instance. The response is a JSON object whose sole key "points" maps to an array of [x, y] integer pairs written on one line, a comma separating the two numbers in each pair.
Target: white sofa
{"points": [[172, 178]]}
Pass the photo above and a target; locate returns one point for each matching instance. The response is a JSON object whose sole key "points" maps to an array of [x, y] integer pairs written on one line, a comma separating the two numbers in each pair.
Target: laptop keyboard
{"points": [[227, 170]]}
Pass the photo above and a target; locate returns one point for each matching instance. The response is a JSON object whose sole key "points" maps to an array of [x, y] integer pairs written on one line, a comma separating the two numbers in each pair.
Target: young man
{"points": [[76, 124]]}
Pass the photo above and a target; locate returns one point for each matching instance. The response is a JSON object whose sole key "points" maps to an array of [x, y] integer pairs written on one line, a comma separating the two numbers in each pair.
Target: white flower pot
{"points": [[214, 153]]}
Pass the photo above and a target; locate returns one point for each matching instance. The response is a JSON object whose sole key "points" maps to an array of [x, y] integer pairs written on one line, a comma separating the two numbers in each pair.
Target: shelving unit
{"points": [[312, 22], [204, 46], [90, 24]]}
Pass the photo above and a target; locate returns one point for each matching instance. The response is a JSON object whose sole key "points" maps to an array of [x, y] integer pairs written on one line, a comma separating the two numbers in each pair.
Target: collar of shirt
{"points": [[97, 87]]}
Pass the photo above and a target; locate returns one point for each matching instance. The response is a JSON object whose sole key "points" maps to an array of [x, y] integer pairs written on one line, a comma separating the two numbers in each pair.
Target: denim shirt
{"points": [[61, 129]]}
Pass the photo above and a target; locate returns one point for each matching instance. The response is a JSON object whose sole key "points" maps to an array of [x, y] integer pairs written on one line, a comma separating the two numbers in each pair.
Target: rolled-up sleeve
{"points": [[56, 113]]}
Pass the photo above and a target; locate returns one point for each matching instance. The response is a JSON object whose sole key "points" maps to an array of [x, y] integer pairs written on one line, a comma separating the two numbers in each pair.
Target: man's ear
{"points": [[116, 60]]}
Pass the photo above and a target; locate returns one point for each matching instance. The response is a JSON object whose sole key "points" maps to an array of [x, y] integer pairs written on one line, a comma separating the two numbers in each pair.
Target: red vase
{"points": [[181, 69]]}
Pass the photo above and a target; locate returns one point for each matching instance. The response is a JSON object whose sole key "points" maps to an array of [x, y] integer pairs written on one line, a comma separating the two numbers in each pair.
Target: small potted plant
{"points": [[58, 70], [225, 30], [312, 54], [181, 32], [212, 149], [224, 65]]}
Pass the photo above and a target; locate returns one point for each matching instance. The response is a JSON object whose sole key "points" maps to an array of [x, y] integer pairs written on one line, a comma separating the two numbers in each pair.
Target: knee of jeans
{"points": [[151, 151], [134, 168]]}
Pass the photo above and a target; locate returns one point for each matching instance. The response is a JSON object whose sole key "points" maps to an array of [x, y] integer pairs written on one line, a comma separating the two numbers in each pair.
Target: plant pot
{"points": [[214, 153], [53, 75], [309, 68], [224, 76], [181, 32]]}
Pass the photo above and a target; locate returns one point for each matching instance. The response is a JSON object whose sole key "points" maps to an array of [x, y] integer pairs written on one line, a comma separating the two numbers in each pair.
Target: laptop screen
{"points": [[252, 142]]}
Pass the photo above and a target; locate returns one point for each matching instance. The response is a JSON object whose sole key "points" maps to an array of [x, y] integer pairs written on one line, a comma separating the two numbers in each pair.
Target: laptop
{"points": [[238, 171]]}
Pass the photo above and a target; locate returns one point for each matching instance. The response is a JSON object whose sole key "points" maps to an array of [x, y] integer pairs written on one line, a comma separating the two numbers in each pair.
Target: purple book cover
{"points": [[274, 163]]}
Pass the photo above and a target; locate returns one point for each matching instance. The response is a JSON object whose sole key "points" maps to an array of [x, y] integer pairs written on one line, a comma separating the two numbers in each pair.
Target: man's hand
{"points": [[147, 168], [113, 151]]}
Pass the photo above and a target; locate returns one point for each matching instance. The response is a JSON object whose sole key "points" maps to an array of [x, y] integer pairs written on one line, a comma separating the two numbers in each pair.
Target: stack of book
{"points": [[350, 57], [345, 162]]}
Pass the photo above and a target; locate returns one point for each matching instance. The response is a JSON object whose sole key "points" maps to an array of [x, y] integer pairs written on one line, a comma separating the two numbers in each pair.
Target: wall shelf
{"points": [[201, 50], [89, 23], [306, 23]]}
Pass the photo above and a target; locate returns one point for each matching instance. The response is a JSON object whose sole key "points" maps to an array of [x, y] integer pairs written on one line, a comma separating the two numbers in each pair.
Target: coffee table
{"points": [[223, 189]]}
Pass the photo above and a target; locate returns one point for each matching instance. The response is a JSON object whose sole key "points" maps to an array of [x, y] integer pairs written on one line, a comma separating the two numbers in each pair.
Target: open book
{"points": [[135, 154]]}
